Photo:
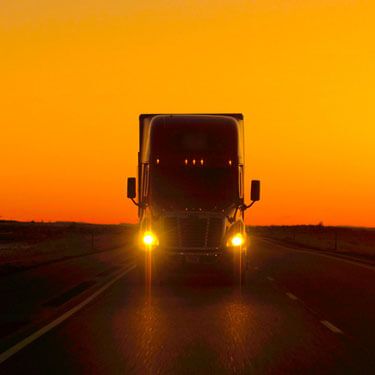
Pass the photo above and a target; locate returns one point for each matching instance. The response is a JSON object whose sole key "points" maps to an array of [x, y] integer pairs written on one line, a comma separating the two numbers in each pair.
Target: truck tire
{"points": [[239, 271], [140, 272]]}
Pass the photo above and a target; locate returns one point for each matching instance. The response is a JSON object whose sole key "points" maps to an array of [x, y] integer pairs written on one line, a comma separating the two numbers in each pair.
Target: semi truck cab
{"points": [[191, 192]]}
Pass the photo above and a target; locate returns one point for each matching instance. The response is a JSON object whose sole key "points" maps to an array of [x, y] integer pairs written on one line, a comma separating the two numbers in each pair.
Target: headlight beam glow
{"points": [[237, 240], [149, 239]]}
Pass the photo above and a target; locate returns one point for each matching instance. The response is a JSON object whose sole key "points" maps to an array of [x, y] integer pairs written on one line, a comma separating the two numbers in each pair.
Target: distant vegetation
{"points": [[345, 240], [33, 232], [27, 244]]}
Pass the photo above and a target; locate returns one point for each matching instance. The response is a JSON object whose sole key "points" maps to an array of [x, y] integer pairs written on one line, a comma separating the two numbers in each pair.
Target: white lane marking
{"points": [[270, 278], [316, 253], [291, 296], [331, 327], [34, 336]]}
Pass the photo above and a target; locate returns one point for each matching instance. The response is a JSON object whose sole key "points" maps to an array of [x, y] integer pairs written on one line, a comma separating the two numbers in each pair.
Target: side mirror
{"points": [[255, 190], [131, 187]]}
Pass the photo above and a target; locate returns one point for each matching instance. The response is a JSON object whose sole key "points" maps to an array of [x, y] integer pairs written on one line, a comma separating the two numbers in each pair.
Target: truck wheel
{"points": [[243, 277], [141, 275], [240, 270], [244, 267], [159, 275]]}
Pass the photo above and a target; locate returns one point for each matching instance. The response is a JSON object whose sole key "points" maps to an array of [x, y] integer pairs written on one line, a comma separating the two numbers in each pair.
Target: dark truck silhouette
{"points": [[191, 193]]}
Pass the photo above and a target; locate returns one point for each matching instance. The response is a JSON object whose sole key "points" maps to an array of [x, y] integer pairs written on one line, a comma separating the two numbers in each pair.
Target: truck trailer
{"points": [[190, 192]]}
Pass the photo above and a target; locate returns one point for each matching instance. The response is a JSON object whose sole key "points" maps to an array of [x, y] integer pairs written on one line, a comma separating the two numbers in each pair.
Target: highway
{"points": [[301, 312]]}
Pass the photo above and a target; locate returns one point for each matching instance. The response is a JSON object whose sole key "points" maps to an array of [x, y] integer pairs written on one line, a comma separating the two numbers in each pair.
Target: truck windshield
{"points": [[194, 188]]}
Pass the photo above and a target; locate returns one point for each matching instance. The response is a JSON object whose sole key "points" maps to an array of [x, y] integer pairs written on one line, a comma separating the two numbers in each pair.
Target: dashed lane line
{"points": [[331, 327], [291, 296], [34, 336], [326, 323]]}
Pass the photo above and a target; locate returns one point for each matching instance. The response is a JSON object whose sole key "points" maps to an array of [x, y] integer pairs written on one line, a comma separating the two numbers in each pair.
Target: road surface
{"points": [[301, 312]]}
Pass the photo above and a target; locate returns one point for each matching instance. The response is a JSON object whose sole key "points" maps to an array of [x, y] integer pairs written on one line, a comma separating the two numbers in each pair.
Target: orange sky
{"points": [[75, 76]]}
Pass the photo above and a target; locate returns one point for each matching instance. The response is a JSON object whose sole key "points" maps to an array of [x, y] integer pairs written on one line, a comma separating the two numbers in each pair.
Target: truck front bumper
{"points": [[172, 261]]}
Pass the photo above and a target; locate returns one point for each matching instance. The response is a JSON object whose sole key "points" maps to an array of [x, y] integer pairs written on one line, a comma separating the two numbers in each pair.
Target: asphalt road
{"points": [[301, 312]]}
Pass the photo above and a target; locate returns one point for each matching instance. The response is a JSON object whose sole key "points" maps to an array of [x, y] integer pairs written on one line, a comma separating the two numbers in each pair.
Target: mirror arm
{"points": [[245, 207], [141, 205], [233, 218], [137, 204]]}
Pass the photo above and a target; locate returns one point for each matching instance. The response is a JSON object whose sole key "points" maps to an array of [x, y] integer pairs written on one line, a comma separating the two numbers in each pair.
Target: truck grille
{"points": [[193, 233]]}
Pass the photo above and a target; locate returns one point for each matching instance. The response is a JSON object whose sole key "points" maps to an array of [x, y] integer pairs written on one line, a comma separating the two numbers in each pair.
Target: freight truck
{"points": [[190, 192]]}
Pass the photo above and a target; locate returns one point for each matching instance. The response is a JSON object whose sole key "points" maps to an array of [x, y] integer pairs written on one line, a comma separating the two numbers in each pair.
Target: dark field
{"points": [[341, 240], [28, 244], [71, 294]]}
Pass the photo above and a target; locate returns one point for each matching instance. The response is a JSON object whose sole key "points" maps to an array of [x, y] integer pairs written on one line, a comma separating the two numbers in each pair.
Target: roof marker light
{"points": [[157, 161], [230, 162], [202, 161], [193, 161], [186, 162]]}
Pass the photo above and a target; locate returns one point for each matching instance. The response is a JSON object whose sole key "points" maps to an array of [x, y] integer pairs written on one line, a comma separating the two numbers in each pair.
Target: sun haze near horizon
{"points": [[75, 77]]}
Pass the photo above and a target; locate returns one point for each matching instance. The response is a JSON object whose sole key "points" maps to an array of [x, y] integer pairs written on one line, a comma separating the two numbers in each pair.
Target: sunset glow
{"points": [[76, 75]]}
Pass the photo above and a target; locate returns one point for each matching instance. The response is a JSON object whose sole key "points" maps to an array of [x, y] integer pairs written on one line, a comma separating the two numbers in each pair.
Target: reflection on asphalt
{"points": [[195, 325], [199, 324]]}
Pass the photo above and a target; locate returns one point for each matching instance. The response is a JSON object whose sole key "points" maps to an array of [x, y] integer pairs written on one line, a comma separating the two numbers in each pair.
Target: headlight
{"points": [[149, 239], [236, 240]]}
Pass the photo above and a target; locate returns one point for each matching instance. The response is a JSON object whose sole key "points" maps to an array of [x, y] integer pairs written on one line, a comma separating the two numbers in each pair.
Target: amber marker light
{"points": [[149, 239], [237, 240], [202, 161], [186, 162]]}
